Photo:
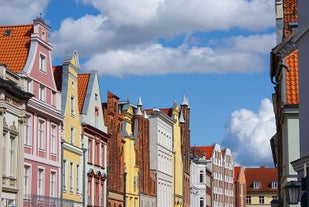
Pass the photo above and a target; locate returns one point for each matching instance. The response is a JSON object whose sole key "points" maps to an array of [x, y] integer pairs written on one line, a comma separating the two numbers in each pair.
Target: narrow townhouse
{"points": [[26, 50], [147, 177], [115, 159], [228, 180], [240, 189], [131, 169], [222, 173], [284, 75], [66, 78], [94, 141], [13, 100], [199, 168], [161, 154]]}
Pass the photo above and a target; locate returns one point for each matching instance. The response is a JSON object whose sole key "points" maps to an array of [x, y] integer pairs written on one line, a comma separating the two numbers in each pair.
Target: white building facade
{"points": [[198, 181], [161, 152]]}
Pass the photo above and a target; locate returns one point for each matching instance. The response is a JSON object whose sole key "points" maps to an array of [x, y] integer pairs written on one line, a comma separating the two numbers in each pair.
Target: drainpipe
{"points": [[124, 190], [62, 174], [84, 175]]}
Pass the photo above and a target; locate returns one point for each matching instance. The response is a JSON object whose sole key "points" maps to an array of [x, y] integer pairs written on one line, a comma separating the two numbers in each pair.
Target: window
{"points": [[274, 197], [27, 134], [274, 184], [261, 199], [27, 182], [42, 93], [53, 184], [72, 106], [256, 184], [72, 135], [96, 97], [96, 116], [201, 202], [77, 178], [41, 134], [248, 199], [41, 182], [12, 157], [53, 139], [64, 173], [42, 63], [71, 176], [53, 98], [201, 176]]}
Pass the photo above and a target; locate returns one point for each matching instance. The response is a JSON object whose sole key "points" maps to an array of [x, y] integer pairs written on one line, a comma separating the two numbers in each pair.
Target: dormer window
{"points": [[256, 184], [42, 63], [274, 184]]}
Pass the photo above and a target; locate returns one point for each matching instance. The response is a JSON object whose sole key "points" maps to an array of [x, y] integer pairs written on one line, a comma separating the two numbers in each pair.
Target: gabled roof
{"points": [[263, 175], [236, 172], [82, 82], [292, 78], [15, 45], [202, 150]]}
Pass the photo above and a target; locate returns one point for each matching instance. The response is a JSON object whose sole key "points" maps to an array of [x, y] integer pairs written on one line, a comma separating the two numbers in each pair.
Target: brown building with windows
{"points": [[147, 177], [113, 121], [239, 187]]}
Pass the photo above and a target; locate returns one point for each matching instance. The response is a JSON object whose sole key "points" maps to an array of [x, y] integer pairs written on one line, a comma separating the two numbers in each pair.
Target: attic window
{"points": [[7, 32], [274, 184], [256, 184]]}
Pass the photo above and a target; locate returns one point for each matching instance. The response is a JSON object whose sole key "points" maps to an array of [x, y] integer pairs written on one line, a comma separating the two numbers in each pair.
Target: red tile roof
{"points": [[292, 78], [200, 150], [263, 175], [58, 76], [14, 46], [82, 82], [236, 172], [290, 15], [167, 111]]}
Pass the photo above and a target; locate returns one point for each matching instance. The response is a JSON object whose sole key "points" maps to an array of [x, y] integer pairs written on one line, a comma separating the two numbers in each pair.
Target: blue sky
{"points": [[215, 51]]}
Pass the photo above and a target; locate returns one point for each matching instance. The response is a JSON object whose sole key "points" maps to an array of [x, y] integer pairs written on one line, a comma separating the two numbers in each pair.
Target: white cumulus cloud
{"points": [[248, 135], [20, 12]]}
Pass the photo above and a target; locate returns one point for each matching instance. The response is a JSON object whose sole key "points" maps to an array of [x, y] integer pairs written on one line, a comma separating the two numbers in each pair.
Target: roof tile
{"points": [[264, 175], [82, 82], [292, 78], [14, 45]]}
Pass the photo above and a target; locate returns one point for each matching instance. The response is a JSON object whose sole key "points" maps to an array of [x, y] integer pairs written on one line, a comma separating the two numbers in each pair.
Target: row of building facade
{"points": [[63, 146]]}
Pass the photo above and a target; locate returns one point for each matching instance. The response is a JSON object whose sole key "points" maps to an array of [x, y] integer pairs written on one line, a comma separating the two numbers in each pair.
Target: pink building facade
{"points": [[26, 50], [42, 139]]}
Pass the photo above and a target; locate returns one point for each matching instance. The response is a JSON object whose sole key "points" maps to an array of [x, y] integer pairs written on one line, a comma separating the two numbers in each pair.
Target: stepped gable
{"points": [[15, 45], [292, 78], [263, 175], [82, 84]]}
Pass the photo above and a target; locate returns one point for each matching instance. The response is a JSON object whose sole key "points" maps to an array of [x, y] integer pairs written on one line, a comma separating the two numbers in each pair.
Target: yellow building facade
{"points": [[71, 142], [177, 160], [131, 170]]}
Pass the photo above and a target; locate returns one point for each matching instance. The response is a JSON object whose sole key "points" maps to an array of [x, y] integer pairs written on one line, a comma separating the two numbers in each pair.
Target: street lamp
{"points": [[292, 190], [274, 203]]}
